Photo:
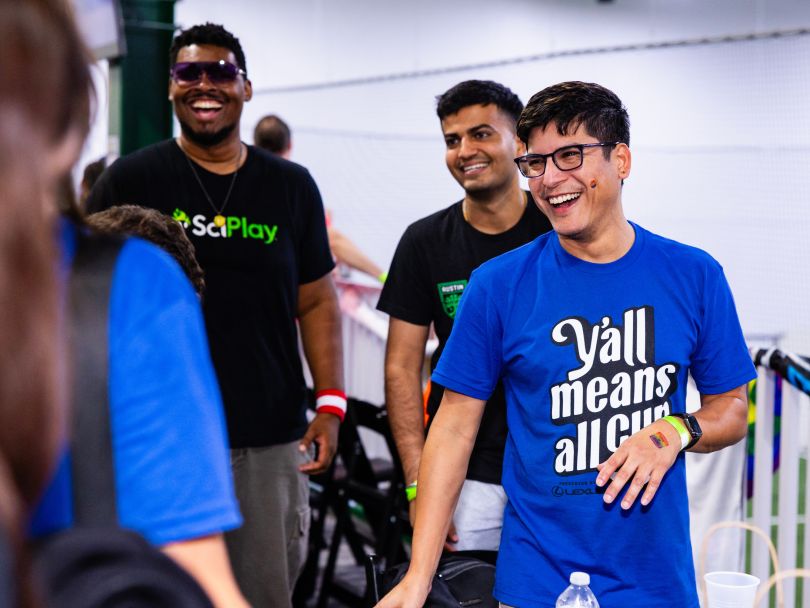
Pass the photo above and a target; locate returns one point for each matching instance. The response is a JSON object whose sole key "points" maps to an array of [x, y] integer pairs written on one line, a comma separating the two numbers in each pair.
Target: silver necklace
{"points": [[219, 219]]}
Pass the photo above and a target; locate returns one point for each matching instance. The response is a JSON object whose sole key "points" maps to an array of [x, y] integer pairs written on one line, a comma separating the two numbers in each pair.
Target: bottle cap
{"points": [[580, 578]]}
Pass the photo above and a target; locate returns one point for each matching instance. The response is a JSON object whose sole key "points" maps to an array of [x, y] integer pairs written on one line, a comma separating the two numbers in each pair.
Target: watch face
{"points": [[692, 425]]}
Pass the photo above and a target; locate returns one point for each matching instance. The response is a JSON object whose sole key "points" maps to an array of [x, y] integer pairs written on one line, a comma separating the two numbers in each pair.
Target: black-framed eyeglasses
{"points": [[566, 158], [218, 72]]}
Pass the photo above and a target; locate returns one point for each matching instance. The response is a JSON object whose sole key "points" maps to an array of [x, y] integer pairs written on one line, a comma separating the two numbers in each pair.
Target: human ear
{"points": [[623, 161], [520, 147]]}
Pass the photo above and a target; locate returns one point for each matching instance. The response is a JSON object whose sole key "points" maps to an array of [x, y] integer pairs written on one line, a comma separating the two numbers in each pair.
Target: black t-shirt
{"points": [[432, 264], [273, 241]]}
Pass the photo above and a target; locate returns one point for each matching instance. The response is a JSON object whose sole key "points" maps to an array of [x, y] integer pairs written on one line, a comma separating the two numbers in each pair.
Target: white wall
{"points": [[720, 133], [98, 142]]}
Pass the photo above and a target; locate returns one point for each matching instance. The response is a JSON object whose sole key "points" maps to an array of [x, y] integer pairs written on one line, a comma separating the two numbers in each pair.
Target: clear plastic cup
{"points": [[731, 589]]}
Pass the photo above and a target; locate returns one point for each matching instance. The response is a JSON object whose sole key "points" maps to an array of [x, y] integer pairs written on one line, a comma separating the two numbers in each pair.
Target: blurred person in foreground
{"points": [[593, 329], [428, 276], [168, 439], [37, 145], [257, 224]]}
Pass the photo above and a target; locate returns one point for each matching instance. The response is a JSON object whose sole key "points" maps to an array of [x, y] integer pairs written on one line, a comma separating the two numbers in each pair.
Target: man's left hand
{"points": [[643, 459], [323, 430]]}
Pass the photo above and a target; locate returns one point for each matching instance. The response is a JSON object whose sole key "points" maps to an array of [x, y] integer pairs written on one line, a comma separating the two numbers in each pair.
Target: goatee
{"points": [[206, 140]]}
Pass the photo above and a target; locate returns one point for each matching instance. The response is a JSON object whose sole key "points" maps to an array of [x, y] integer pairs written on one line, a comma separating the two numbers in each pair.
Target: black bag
{"points": [[460, 581], [109, 567], [97, 564]]}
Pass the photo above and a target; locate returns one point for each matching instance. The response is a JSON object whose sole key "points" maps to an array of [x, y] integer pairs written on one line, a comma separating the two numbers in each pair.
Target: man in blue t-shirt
{"points": [[173, 482], [593, 330]]}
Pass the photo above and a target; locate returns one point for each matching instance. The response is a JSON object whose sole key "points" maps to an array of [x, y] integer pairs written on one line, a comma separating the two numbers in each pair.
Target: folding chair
{"points": [[375, 486]]}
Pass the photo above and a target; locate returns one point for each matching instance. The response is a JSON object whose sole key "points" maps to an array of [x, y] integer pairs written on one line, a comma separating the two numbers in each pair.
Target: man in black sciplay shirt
{"points": [[257, 224], [431, 266]]}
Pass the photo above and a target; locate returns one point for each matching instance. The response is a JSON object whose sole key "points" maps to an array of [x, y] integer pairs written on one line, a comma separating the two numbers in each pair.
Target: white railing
{"points": [[365, 331], [364, 335], [782, 382]]}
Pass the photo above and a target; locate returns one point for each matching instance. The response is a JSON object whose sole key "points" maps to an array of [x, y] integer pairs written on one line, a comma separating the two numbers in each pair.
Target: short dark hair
{"points": [[483, 92], [93, 171], [208, 33], [89, 178], [571, 104], [272, 134], [155, 227]]}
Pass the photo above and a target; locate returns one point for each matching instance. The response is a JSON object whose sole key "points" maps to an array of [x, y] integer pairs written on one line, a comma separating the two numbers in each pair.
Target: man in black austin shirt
{"points": [[431, 266]]}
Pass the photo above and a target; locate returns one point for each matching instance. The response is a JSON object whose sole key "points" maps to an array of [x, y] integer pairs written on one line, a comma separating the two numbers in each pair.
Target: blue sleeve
{"points": [[169, 443], [472, 358], [721, 361]]}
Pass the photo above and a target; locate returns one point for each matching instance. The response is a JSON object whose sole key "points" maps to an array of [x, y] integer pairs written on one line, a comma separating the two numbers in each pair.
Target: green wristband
{"points": [[685, 435], [410, 491], [382, 277]]}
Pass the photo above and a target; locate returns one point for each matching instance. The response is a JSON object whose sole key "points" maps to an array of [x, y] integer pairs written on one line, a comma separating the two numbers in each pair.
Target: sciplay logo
{"points": [[234, 226]]}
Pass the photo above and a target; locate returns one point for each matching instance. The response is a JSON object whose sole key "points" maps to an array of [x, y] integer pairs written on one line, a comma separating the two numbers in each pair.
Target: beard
{"points": [[206, 140], [486, 191]]}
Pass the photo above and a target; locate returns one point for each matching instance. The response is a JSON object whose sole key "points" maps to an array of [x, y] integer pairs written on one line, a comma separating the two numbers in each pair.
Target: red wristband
{"points": [[331, 401]]}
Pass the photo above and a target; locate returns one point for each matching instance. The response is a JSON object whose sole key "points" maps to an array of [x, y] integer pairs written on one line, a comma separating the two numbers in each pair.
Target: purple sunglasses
{"points": [[218, 72]]}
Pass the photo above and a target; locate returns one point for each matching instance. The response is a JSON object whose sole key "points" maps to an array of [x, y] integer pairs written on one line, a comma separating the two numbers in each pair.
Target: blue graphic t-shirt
{"points": [[173, 476], [589, 354]]}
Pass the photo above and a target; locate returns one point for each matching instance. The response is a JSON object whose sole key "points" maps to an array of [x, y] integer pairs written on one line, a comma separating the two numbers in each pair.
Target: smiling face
{"points": [[481, 145], [209, 113], [584, 204]]}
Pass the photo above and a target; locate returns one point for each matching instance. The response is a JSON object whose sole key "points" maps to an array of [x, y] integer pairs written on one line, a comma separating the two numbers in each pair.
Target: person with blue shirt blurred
{"points": [[173, 480], [593, 329]]}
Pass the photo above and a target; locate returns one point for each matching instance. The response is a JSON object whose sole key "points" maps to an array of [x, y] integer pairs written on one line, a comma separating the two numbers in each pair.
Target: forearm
{"points": [[441, 475], [643, 459], [321, 335], [206, 559], [406, 415], [723, 419], [365, 264], [348, 253]]}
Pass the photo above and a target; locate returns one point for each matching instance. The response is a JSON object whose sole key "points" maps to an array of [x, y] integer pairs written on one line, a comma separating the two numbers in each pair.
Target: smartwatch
{"points": [[692, 427]]}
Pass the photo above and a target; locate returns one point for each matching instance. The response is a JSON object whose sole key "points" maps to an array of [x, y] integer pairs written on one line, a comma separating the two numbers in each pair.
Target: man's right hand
{"points": [[407, 594]]}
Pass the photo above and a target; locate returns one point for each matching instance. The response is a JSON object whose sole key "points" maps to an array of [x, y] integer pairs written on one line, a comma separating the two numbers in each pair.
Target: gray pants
{"points": [[268, 552], [479, 516]]}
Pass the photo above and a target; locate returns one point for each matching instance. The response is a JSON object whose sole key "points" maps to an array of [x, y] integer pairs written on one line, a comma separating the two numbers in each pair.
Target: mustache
{"points": [[194, 96]]}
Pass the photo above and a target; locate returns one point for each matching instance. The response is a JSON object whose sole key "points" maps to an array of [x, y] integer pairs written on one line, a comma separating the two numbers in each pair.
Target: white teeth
{"points": [[474, 167], [206, 105], [563, 198]]}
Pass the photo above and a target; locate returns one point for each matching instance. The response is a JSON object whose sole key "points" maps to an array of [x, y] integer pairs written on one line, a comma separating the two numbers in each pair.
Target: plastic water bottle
{"points": [[578, 594]]}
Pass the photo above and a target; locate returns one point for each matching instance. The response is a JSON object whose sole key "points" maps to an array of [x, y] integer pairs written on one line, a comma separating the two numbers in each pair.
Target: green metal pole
{"points": [[140, 110]]}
